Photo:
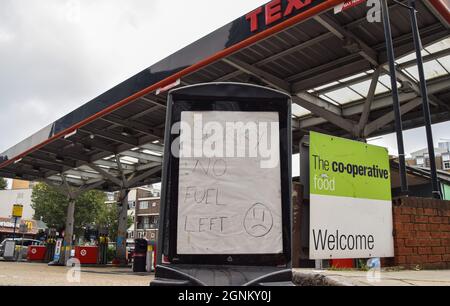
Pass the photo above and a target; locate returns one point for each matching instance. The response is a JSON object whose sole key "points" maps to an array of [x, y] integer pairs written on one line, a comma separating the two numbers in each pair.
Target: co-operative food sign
{"points": [[351, 202]]}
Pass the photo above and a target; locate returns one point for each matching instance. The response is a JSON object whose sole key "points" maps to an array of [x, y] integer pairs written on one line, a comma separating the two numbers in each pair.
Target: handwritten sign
{"points": [[227, 204]]}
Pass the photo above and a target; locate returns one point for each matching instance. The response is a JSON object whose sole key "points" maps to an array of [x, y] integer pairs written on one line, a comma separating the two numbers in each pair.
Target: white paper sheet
{"points": [[229, 205]]}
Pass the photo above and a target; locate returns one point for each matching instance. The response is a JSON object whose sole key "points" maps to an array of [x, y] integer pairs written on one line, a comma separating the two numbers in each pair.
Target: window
{"points": [[144, 205], [154, 204], [151, 235], [111, 196], [447, 165], [131, 204], [444, 146], [154, 220], [446, 161], [420, 161], [146, 222]]}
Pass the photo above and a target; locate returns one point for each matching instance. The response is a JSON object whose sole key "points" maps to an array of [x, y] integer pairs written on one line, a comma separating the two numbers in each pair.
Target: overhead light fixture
{"points": [[126, 132], [70, 134], [87, 148], [59, 158], [168, 87], [69, 146]]}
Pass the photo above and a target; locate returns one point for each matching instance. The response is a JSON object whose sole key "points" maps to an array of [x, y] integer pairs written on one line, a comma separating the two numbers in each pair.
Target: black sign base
{"points": [[202, 275]]}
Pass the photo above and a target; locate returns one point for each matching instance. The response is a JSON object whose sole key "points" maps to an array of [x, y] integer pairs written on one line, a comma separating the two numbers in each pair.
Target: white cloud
{"points": [[5, 36], [56, 55]]}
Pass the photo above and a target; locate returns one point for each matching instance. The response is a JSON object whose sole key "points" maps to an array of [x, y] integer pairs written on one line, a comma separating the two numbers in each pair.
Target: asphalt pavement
{"points": [[37, 274]]}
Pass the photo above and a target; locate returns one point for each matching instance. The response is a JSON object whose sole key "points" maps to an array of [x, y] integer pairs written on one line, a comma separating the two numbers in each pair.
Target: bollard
{"points": [[149, 265]]}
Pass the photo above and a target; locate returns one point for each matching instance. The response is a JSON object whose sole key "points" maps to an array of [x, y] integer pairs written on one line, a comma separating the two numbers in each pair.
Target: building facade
{"points": [[147, 214], [20, 196], [422, 159], [143, 210]]}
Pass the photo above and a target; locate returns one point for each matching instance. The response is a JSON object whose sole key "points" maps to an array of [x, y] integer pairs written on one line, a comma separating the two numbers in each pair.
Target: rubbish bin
{"points": [[140, 255]]}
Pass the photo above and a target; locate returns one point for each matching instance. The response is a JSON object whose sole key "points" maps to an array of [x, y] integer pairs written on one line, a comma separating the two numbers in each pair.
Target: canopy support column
{"points": [[395, 96], [121, 254], [68, 233], [70, 219]]}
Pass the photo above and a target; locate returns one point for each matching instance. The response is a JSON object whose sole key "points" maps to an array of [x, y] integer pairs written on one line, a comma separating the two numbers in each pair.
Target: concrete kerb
{"points": [[318, 278]]}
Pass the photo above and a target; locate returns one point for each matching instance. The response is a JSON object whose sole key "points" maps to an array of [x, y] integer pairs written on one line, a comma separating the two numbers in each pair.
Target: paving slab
{"points": [[377, 278], [37, 274]]}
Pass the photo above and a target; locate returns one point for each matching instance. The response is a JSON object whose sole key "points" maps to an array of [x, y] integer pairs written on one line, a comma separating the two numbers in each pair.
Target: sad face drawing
{"points": [[258, 221]]}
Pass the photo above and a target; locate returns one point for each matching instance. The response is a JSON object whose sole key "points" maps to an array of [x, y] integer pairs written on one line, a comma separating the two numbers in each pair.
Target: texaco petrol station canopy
{"points": [[333, 65]]}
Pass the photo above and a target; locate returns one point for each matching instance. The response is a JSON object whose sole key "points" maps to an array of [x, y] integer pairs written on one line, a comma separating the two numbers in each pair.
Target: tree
{"points": [[109, 219], [51, 205], [3, 183]]}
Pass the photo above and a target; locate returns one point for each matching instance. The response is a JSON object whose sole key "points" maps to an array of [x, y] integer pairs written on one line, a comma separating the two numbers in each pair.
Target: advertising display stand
{"points": [[10, 250], [226, 208]]}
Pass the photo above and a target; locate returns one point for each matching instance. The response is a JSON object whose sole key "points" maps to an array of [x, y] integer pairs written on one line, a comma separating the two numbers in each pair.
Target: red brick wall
{"points": [[421, 233]]}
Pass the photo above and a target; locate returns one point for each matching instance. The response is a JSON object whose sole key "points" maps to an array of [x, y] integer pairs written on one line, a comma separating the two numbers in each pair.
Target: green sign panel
{"points": [[345, 168], [351, 208]]}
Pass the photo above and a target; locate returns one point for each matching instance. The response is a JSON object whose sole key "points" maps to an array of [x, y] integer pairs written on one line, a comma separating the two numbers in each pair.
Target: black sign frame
{"points": [[224, 97]]}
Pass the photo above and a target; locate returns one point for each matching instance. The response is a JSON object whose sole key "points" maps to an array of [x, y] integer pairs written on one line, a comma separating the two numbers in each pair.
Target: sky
{"points": [[56, 55]]}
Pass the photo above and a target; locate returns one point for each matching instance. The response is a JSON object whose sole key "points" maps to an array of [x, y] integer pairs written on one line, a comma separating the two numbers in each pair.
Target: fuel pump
{"points": [[103, 245], [50, 243], [103, 250]]}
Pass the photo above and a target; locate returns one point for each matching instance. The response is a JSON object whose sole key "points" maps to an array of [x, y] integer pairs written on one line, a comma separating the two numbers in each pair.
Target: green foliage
{"points": [[51, 205], [90, 210], [3, 184], [109, 218], [111, 253]]}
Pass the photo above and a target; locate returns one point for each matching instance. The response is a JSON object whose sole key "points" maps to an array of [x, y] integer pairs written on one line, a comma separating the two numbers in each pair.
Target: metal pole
{"points": [[21, 247], [398, 115], [14, 237], [425, 101], [14, 230]]}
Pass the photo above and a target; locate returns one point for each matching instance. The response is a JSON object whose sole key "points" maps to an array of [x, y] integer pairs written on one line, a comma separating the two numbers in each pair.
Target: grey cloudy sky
{"points": [[55, 55]]}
